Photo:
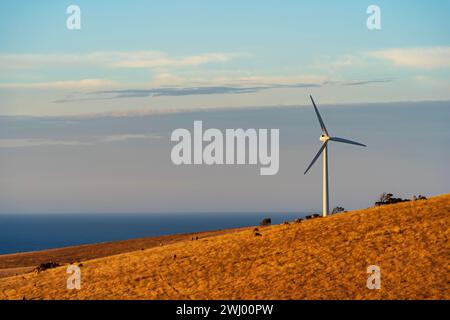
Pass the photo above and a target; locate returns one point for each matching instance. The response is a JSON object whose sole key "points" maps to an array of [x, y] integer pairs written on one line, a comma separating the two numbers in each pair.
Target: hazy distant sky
{"points": [[86, 116]]}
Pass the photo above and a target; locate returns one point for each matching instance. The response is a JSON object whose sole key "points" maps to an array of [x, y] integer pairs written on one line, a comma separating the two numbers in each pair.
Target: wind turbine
{"points": [[325, 138]]}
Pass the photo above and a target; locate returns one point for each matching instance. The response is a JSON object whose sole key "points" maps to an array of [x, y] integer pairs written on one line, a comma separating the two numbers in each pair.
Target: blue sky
{"points": [[128, 45], [187, 27], [86, 115]]}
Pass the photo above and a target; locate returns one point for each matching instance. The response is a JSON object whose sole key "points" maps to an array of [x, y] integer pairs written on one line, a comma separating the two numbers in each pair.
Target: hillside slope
{"points": [[316, 259], [18, 263]]}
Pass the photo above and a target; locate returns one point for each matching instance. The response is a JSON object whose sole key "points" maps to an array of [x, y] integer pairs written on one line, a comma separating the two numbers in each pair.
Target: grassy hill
{"points": [[18, 263], [315, 259]]}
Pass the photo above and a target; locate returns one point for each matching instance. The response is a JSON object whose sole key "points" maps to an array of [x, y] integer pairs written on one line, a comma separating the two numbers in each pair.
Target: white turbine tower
{"points": [[325, 138]]}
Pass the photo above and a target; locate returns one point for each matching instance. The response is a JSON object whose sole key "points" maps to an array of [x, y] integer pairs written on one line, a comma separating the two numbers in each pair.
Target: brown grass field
{"points": [[315, 259]]}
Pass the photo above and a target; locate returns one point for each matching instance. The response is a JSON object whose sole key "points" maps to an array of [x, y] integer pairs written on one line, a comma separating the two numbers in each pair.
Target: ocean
{"points": [[31, 232]]}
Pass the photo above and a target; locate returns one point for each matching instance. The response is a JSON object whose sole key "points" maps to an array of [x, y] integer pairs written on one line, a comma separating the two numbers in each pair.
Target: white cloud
{"points": [[36, 142], [427, 58], [70, 84], [167, 79], [158, 60], [347, 61], [23, 143], [282, 80], [125, 137], [134, 59], [237, 79]]}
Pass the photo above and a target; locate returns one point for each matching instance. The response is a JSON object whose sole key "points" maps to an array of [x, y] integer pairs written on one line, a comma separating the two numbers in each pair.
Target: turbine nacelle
{"points": [[324, 138]]}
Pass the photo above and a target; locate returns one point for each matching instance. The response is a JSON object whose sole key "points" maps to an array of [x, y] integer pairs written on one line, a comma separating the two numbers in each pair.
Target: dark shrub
{"points": [[337, 210], [47, 265], [385, 197], [388, 198], [265, 222]]}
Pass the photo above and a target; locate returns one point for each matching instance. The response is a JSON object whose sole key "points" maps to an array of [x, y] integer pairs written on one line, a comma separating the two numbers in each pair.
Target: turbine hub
{"points": [[324, 138]]}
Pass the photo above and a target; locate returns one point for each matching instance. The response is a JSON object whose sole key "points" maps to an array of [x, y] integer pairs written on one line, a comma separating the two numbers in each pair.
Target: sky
{"points": [[86, 115]]}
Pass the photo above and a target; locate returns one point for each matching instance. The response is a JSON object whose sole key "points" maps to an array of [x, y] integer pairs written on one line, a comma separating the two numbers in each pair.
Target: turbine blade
{"points": [[316, 157], [322, 125], [347, 141]]}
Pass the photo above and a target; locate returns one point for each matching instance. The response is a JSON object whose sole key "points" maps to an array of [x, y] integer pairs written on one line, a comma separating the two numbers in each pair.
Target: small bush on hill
{"points": [[47, 265], [337, 210], [265, 222], [388, 198]]}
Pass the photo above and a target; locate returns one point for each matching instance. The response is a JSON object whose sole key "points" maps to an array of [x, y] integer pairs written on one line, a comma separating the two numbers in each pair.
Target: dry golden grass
{"points": [[317, 259], [18, 263]]}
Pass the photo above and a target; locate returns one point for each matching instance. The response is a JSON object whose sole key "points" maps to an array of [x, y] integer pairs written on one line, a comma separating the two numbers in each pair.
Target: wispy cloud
{"points": [[69, 84], [132, 60], [36, 142], [177, 91], [158, 60], [237, 88], [364, 82], [125, 137], [23, 143], [232, 78], [427, 58]]}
